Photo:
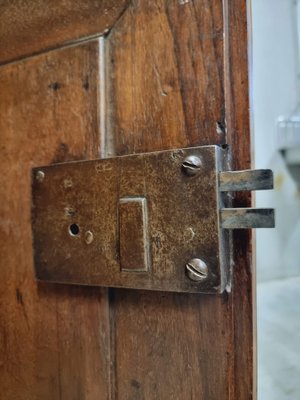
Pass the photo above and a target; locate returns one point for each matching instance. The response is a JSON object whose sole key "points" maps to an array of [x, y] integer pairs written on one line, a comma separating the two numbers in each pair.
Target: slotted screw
{"points": [[196, 270], [191, 165]]}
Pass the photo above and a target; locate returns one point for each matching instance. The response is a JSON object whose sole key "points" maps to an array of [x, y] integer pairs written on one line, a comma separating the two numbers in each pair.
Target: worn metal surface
{"points": [[133, 234], [259, 179], [245, 218], [132, 221]]}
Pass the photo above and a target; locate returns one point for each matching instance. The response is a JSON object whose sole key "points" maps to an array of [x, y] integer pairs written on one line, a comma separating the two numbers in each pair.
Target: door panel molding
{"points": [[30, 27], [50, 340]]}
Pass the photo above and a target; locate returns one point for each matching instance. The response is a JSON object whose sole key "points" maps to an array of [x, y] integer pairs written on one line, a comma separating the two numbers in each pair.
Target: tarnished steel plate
{"points": [[132, 221]]}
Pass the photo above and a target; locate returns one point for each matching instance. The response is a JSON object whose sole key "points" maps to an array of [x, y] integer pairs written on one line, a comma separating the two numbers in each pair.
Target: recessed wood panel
{"points": [[238, 136], [49, 335]]}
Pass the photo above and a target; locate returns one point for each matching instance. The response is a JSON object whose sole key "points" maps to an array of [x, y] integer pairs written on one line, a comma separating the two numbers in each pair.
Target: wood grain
{"points": [[166, 76], [238, 137], [167, 89], [54, 340], [171, 346], [176, 76], [28, 27]]}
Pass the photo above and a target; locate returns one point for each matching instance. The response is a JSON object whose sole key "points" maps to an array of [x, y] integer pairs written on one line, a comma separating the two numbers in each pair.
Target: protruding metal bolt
{"points": [[40, 176], [196, 270], [191, 165], [89, 237]]}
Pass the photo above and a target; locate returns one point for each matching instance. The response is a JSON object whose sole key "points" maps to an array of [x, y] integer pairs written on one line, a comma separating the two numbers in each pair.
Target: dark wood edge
{"points": [[238, 136]]}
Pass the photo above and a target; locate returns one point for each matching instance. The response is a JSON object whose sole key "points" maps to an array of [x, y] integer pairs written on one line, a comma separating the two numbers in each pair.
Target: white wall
{"points": [[274, 93]]}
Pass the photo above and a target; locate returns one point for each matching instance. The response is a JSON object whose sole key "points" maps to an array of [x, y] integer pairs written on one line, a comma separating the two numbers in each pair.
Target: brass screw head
{"points": [[196, 270], [191, 165]]}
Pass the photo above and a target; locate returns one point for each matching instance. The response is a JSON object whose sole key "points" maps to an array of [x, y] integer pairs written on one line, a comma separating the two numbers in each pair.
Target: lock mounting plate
{"points": [[133, 221]]}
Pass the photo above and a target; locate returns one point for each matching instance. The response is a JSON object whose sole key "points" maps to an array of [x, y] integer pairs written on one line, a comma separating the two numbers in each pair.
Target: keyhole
{"points": [[74, 230]]}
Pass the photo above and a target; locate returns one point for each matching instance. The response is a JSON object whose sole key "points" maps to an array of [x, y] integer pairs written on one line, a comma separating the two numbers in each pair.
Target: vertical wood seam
{"points": [[102, 100], [241, 277], [227, 96]]}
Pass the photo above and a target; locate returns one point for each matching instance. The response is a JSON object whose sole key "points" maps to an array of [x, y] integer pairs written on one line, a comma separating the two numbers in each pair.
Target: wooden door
{"points": [[87, 79]]}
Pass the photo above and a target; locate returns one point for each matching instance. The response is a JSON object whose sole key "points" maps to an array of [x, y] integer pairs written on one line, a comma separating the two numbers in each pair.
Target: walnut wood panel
{"points": [[54, 340], [176, 76], [28, 27], [173, 79], [168, 81]]}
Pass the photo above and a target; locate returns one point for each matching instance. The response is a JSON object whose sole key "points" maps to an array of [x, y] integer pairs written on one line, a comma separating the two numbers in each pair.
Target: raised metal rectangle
{"points": [[245, 218], [132, 221], [259, 179], [133, 230]]}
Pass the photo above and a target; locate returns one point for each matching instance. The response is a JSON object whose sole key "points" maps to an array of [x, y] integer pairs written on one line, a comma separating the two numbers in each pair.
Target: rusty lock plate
{"points": [[145, 221]]}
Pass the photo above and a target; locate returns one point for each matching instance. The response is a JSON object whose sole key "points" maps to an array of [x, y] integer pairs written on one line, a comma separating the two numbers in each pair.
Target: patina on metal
{"points": [[145, 221], [257, 179], [145, 217]]}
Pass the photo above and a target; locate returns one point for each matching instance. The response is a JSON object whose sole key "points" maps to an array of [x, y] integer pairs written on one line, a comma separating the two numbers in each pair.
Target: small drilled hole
{"points": [[224, 146], [74, 230]]}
